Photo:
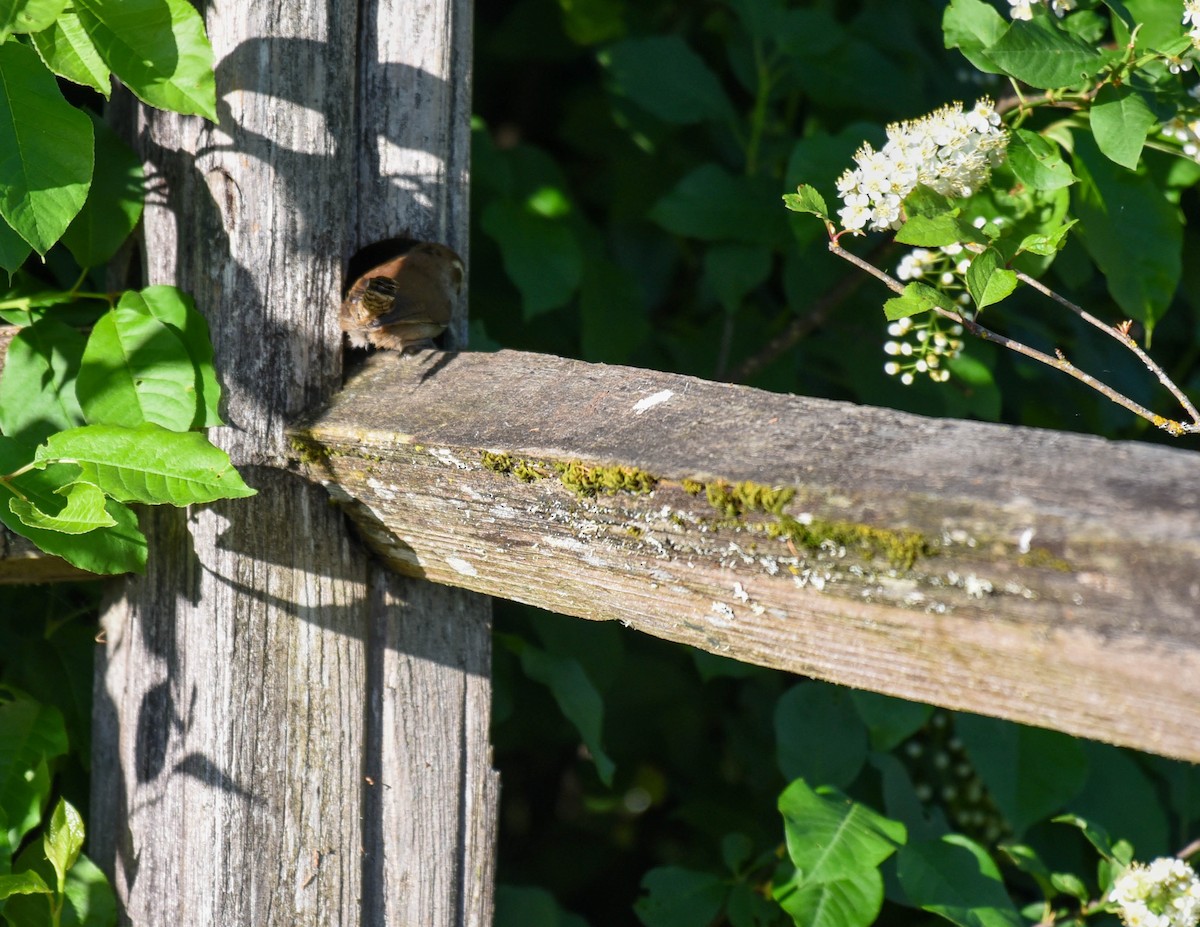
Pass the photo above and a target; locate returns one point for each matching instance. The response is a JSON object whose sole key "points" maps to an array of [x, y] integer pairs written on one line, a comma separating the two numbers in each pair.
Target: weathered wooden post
{"points": [[285, 733]]}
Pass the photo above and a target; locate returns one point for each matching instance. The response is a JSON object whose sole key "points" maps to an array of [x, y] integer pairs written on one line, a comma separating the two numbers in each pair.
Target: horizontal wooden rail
{"points": [[1043, 577]]}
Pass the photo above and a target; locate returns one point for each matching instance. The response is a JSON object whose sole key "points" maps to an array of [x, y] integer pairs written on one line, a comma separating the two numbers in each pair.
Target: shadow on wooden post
{"points": [[286, 734]]}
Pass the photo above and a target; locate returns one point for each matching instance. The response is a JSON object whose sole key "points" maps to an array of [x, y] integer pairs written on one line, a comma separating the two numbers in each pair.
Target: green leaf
{"points": [[148, 464], [88, 901], [1130, 230], [1120, 119], [1070, 884], [117, 549], [956, 879], [806, 199], [917, 298], [67, 50], [176, 309], [1161, 24], [518, 906], [667, 79], [37, 384], [114, 203], [933, 232], [23, 883], [678, 897], [818, 734], [63, 839], [45, 150], [1037, 161], [136, 370], [27, 15], [31, 734], [889, 721], [714, 205], [589, 22], [1096, 835], [577, 698], [13, 248], [157, 48], [972, 27], [1047, 245], [732, 271], [830, 837], [84, 511], [1029, 772], [852, 901], [1043, 56], [541, 256], [987, 281]]}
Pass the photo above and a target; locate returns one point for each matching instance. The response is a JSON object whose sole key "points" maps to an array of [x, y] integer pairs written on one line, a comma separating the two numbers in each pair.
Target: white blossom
{"points": [[948, 150], [1023, 9], [1165, 893], [1191, 17]]}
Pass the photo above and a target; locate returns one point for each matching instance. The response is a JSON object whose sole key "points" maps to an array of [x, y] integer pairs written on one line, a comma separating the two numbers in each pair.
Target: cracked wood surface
{"points": [[1059, 586]]}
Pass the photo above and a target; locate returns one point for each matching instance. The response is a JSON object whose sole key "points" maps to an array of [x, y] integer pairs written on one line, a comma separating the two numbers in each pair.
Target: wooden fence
{"points": [[292, 731]]}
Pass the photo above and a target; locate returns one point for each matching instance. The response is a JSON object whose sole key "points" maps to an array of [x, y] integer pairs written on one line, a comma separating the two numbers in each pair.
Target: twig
{"points": [[1058, 362]]}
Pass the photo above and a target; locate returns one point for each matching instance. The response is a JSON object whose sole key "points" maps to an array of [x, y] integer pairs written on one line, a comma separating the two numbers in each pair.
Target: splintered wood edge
{"points": [[1037, 576]]}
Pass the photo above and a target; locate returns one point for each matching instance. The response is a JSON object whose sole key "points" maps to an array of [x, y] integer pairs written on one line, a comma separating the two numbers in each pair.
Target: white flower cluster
{"points": [[921, 347], [949, 150], [1191, 17], [1165, 893], [1187, 134], [1023, 9]]}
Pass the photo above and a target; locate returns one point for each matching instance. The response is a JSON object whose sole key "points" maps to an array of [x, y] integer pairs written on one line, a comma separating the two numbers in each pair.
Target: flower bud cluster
{"points": [[1023, 9], [949, 150], [922, 347], [1165, 893]]}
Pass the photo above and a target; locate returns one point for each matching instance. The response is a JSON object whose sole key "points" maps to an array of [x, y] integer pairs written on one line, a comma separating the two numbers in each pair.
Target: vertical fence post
{"points": [[283, 734]]}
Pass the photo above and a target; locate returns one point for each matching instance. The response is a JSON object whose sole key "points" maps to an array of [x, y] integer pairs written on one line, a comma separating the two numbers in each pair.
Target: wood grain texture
{"points": [[230, 723], [1061, 585]]}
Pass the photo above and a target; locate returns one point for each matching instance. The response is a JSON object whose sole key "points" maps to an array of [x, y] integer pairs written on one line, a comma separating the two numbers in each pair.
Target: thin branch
{"points": [[1121, 336], [1058, 362]]}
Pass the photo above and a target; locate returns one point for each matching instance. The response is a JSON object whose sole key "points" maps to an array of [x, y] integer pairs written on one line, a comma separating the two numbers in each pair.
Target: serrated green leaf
{"points": [[830, 837], [148, 464], [933, 231], [1043, 56], [84, 511], [159, 50], [1131, 231], [114, 203], [1037, 161], [63, 839], [37, 384], [1070, 884], [972, 27], [1047, 245], [956, 879], [901, 307], [46, 150], [675, 897], [987, 281], [806, 199], [1120, 119], [22, 883], [667, 79], [67, 50], [136, 370], [27, 15]]}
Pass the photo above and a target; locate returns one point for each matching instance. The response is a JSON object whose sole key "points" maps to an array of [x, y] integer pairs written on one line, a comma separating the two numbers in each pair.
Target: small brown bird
{"points": [[404, 301]]}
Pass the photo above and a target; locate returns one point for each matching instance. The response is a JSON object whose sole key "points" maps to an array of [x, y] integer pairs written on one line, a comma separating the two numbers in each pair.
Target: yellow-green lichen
{"points": [[901, 548], [692, 487], [737, 499], [1040, 558], [309, 452], [581, 478]]}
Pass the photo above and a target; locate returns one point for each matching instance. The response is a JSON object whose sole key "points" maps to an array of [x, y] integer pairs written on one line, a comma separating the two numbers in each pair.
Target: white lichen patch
{"points": [[724, 611], [650, 402], [740, 593], [381, 489], [462, 567], [444, 456]]}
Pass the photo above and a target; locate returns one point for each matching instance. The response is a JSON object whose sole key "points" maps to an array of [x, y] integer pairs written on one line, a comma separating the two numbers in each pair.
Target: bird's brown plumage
{"points": [[403, 301]]}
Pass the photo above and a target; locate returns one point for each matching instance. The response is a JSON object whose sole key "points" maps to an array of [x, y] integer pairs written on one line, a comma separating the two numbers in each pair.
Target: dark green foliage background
{"points": [[627, 169]]}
